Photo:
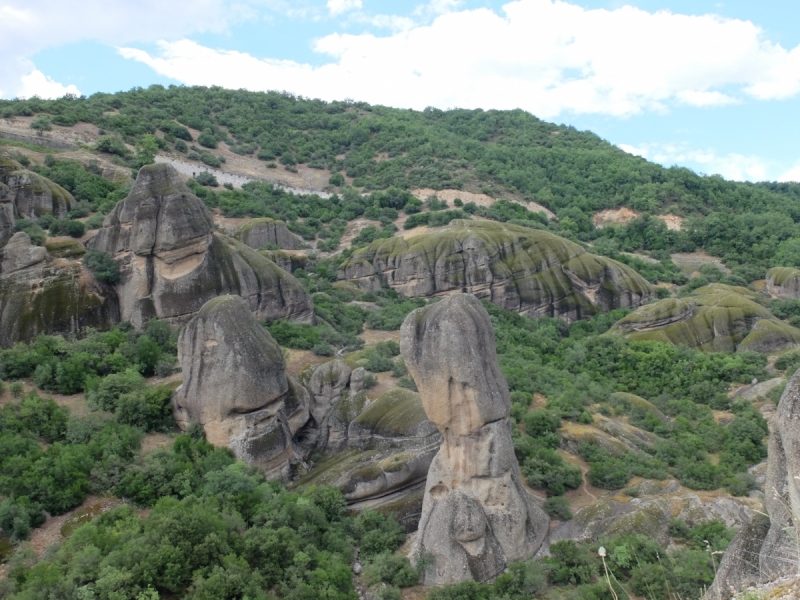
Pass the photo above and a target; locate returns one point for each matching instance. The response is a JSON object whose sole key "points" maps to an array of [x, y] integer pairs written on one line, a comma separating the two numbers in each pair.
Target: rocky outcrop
{"points": [[172, 262], [390, 446], [526, 270], [6, 214], [258, 233], [784, 282], [39, 294], [715, 317], [765, 551], [476, 515], [658, 502], [235, 385], [31, 194]]}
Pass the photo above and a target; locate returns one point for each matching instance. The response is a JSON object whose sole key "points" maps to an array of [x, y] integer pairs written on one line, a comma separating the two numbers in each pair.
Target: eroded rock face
{"points": [[39, 294], [476, 516], [171, 261], [784, 282], [764, 552], [716, 317], [258, 233], [235, 385], [6, 214], [32, 195], [526, 270]]}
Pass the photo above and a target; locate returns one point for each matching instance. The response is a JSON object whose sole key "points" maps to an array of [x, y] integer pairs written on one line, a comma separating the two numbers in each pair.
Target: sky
{"points": [[707, 84]]}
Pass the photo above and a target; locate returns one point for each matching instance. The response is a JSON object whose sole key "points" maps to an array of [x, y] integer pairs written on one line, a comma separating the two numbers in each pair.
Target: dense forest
{"points": [[190, 521]]}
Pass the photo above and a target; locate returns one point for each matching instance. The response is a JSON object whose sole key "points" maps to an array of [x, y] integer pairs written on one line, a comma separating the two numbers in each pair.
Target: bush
{"points": [[95, 221], [207, 139], [337, 179], [207, 179], [558, 508], [102, 265], [393, 569], [67, 227], [112, 144], [323, 349]]}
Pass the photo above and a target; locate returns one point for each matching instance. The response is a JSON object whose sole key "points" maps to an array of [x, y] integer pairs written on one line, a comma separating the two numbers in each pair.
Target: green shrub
{"points": [[102, 265], [207, 179], [67, 227], [558, 508]]}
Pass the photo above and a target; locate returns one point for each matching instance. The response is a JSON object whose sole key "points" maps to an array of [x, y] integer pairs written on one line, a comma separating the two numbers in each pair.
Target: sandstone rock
{"points": [[390, 445], [763, 551], [715, 317], [784, 282], [19, 253], [476, 516], [650, 513], [527, 270], [171, 261], [235, 385], [285, 260], [327, 386], [33, 196], [258, 233], [357, 380], [6, 214], [41, 295]]}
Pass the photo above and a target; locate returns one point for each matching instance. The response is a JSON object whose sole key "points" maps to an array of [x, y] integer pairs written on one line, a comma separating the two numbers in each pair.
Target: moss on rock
{"points": [[527, 270], [716, 317]]}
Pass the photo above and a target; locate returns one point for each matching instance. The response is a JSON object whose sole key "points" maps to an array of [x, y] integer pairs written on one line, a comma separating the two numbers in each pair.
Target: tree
{"points": [[102, 265], [42, 123], [146, 150]]}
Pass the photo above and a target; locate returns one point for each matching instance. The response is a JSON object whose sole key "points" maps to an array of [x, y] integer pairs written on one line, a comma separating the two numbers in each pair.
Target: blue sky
{"points": [[712, 85]]}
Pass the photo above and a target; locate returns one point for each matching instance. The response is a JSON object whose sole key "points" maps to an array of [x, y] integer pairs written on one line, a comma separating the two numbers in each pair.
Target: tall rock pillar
{"points": [[476, 516]]}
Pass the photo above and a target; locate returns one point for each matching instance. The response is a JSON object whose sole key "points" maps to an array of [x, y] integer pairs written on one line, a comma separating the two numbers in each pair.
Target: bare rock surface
{"points": [[476, 515], [766, 551], [235, 385], [258, 233], [172, 262], [783, 282]]}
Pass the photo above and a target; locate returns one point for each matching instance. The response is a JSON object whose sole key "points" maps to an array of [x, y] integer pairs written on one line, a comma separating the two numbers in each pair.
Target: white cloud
{"points": [[792, 175], [37, 83], [29, 26], [547, 56], [337, 7], [731, 166]]}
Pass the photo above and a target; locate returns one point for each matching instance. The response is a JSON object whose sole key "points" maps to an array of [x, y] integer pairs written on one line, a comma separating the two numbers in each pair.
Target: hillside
{"points": [[508, 155], [262, 251]]}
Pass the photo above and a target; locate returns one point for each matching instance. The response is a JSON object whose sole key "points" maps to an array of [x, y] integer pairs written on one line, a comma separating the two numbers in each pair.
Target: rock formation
{"points": [[526, 270], [40, 294], [31, 194], [389, 447], [476, 516], [715, 317], [235, 385], [765, 551], [171, 261], [258, 233], [784, 282]]}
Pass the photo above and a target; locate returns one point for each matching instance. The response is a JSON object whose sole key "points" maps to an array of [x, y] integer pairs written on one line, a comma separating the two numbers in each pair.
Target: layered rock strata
{"points": [[235, 385], [476, 515], [172, 262], [715, 317], [766, 550], [526, 270]]}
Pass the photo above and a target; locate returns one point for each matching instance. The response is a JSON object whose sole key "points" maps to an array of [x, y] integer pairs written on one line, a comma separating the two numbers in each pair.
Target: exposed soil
{"points": [[673, 222], [618, 216]]}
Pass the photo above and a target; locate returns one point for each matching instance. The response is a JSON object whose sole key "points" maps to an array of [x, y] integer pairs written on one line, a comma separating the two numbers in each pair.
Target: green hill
{"points": [[507, 154]]}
